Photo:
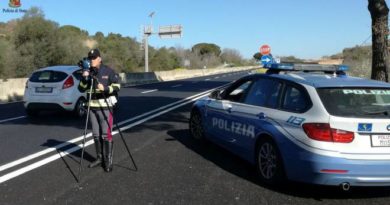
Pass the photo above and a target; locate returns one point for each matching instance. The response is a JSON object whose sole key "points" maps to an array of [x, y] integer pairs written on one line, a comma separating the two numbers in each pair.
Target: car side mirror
{"points": [[216, 94]]}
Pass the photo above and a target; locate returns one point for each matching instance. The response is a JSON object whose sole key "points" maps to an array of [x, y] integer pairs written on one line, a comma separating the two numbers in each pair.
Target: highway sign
{"points": [[266, 59], [171, 31], [265, 50]]}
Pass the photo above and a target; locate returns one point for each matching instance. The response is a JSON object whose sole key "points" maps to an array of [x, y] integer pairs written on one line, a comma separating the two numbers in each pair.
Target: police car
{"points": [[306, 123]]}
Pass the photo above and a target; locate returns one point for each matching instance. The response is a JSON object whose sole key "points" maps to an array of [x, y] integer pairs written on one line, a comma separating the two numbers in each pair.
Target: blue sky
{"points": [[303, 28]]}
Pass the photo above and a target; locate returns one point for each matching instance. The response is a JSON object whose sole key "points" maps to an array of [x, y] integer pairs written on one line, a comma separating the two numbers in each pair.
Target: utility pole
{"points": [[148, 30]]}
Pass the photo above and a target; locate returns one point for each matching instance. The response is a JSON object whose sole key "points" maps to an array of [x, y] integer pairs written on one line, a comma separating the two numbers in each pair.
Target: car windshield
{"points": [[356, 102], [48, 76]]}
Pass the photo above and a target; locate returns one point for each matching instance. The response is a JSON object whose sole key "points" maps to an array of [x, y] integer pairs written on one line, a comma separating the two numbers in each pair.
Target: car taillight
{"points": [[323, 132], [68, 83]]}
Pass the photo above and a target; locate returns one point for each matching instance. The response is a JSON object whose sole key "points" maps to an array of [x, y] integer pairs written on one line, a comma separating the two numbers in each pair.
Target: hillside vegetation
{"points": [[33, 42], [359, 59]]}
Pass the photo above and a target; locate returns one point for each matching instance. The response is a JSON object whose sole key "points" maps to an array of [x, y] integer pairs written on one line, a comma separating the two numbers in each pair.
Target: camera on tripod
{"points": [[85, 64]]}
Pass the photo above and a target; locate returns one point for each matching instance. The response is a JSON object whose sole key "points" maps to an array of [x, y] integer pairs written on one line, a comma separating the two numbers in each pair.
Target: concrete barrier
{"points": [[13, 89], [141, 78]]}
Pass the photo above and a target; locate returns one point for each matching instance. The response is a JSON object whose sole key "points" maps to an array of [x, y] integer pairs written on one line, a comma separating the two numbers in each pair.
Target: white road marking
{"points": [[47, 160], [77, 139], [216, 77], [149, 91], [40, 163], [14, 118], [207, 79], [175, 86]]}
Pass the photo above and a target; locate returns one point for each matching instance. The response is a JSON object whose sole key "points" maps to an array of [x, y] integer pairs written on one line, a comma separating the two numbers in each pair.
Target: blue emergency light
{"points": [[277, 67]]}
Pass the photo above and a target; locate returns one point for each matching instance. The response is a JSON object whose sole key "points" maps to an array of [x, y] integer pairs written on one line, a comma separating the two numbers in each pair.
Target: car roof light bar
{"points": [[277, 67]]}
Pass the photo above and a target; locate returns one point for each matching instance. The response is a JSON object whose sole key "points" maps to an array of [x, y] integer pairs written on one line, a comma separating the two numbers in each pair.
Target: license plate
{"points": [[380, 140], [43, 90]]}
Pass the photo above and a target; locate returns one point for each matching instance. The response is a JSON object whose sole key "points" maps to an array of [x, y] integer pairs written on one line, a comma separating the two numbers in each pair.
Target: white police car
{"points": [[307, 123]]}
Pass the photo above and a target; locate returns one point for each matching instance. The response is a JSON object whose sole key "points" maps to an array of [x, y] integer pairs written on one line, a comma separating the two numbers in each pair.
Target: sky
{"points": [[306, 29]]}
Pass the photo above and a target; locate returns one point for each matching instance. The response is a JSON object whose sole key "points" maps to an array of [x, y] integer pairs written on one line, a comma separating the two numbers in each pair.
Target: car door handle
{"points": [[261, 115], [228, 108]]}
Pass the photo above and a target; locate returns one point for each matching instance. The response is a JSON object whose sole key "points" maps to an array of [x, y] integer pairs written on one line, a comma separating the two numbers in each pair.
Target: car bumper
{"points": [[305, 166], [55, 103]]}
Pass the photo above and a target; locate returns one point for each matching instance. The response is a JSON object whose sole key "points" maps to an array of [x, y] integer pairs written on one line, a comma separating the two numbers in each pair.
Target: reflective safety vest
{"points": [[110, 81]]}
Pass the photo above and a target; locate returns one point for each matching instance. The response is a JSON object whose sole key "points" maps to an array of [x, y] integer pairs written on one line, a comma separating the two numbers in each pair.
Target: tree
{"points": [[71, 45], [35, 40], [379, 26], [257, 56], [164, 59], [232, 56], [206, 49]]}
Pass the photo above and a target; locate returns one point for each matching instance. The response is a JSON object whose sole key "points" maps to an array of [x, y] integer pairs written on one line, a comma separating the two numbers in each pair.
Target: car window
{"points": [[264, 92], [77, 74], [356, 102], [48, 76], [295, 99], [237, 93]]}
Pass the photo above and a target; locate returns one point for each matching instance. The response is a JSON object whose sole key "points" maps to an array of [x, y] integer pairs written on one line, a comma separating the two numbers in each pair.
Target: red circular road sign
{"points": [[265, 50]]}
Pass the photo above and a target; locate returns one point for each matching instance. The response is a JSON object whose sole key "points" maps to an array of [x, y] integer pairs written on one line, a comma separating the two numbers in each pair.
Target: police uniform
{"points": [[101, 116]]}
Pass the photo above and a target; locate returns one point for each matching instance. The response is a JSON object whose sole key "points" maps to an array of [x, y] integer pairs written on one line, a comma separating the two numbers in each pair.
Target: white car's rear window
{"points": [[48, 76]]}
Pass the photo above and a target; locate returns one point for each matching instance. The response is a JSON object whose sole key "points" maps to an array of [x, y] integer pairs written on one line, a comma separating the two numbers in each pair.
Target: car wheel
{"points": [[269, 162], [195, 125], [32, 113], [79, 109]]}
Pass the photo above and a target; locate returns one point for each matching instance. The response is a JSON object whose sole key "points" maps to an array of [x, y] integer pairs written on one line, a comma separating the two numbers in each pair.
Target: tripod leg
{"points": [[83, 148], [127, 148], [85, 135], [110, 109]]}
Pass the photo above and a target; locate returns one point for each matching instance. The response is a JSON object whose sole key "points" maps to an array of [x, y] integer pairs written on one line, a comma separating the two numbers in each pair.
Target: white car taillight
{"points": [[69, 82]]}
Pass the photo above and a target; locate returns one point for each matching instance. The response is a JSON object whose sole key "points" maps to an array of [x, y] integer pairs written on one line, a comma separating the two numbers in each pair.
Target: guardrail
{"points": [[13, 89]]}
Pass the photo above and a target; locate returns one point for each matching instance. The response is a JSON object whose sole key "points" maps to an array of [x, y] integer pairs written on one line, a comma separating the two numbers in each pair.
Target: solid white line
{"points": [[10, 119], [35, 165], [149, 91], [175, 86], [77, 139], [207, 79], [47, 160], [43, 152], [48, 150]]}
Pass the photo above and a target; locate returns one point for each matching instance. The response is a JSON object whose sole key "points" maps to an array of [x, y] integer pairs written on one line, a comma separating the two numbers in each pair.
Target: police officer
{"points": [[105, 86]]}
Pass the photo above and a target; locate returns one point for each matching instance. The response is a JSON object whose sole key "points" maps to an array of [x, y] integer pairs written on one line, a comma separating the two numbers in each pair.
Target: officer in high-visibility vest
{"points": [[106, 85]]}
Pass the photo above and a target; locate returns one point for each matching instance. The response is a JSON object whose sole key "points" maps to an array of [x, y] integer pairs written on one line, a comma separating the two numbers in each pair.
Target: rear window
{"points": [[356, 102], [48, 76]]}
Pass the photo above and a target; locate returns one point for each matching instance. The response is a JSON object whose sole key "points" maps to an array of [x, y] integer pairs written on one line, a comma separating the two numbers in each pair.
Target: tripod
{"points": [[94, 81]]}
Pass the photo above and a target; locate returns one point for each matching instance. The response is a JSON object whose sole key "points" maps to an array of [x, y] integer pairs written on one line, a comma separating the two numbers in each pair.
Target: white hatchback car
{"points": [[54, 88]]}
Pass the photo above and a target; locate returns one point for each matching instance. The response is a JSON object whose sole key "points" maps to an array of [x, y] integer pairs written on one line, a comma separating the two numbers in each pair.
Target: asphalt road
{"points": [[39, 158]]}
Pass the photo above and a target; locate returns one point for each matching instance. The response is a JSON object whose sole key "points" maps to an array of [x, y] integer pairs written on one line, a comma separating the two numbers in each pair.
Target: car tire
{"points": [[195, 125], [269, 163], [79, 109]]}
